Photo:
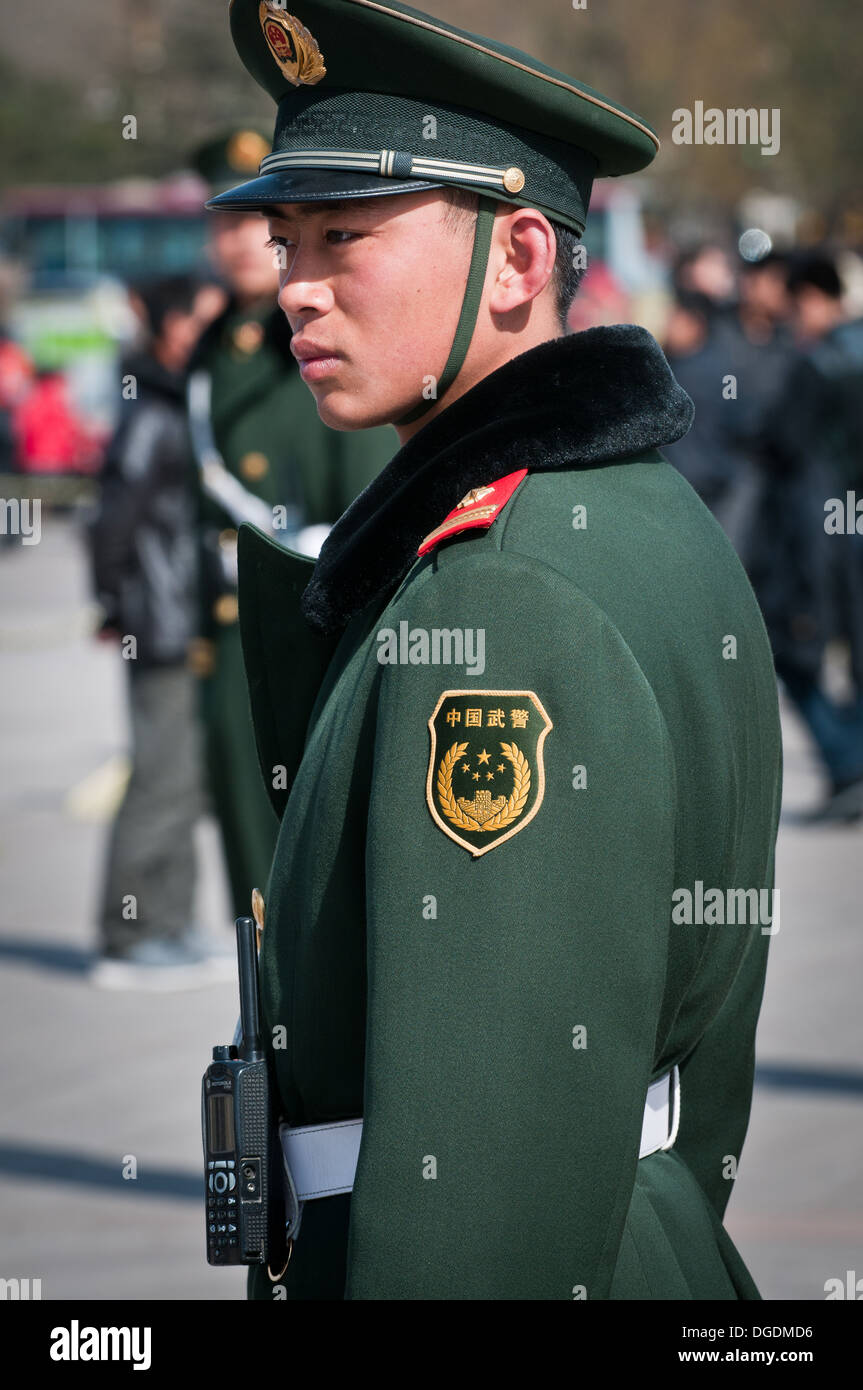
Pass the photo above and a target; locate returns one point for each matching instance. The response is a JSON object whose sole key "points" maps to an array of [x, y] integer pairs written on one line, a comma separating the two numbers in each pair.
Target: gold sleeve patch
{"points": [[486, 777]]}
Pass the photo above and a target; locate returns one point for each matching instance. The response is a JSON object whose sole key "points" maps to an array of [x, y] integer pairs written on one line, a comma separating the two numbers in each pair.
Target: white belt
{"points": [[661, 1114], [322, 1159]]}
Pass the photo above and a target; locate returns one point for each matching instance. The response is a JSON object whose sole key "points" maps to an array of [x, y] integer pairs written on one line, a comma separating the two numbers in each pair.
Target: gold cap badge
{"points": [[295, 50]]}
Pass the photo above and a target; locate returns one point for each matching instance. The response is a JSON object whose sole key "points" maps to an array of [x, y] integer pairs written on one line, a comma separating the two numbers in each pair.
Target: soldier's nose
{"points": [[301, 300]]}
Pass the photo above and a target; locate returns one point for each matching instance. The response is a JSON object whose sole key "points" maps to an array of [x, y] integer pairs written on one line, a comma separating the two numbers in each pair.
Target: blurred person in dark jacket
{"points": [[761, 354], [698, 356], [764, 305], [697, 343], [145, 570], [813, 590], [731, 357]]}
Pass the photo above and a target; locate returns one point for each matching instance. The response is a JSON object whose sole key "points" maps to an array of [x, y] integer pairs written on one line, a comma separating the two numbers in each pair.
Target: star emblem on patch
{"points": [[486, 776]]}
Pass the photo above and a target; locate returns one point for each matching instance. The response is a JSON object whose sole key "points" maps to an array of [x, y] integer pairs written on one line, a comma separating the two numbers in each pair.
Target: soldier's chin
{"points": [[344, 410]]}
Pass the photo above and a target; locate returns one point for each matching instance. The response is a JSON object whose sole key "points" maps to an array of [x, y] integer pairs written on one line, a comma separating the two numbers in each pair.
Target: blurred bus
{"points": [[78, 247], [67, 235]]}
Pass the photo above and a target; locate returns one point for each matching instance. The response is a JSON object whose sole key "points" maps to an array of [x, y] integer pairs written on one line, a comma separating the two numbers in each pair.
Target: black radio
{"points": [[244, 1197]]}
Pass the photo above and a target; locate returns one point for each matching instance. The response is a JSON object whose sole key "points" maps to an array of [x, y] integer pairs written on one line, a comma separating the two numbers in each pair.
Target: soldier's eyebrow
{"points": [[299, 210]]}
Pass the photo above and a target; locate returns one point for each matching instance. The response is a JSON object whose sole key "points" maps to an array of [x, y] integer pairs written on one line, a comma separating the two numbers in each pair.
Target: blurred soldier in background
{"points": [[145, 570], [260, 446]]}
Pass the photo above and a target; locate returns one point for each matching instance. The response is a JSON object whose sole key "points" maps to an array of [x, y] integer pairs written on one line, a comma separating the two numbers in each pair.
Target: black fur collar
{"points": [[581, 401]]}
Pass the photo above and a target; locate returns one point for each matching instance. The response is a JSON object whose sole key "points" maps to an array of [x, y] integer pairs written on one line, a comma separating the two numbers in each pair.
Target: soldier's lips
{"points": [[316, 368]]}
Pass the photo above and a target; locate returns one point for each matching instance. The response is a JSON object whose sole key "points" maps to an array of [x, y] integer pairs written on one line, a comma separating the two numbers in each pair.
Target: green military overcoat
{"points": [[266, 427], [491, 969]]}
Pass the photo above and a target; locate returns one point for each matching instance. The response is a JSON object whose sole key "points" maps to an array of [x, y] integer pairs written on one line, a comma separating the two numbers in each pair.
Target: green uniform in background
{"points": [[267, 430]]}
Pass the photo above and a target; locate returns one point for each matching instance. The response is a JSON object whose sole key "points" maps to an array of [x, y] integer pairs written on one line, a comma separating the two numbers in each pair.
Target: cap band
{"points": [[382, 135], [469, 308], [397, 164]]}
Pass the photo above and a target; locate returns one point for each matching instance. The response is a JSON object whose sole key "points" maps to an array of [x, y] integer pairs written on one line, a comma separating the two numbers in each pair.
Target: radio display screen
{"points": [[221, 1124]]}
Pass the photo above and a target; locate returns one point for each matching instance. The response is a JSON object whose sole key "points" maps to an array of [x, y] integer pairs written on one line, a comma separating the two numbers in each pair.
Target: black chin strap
{"points": [[469, 308]]}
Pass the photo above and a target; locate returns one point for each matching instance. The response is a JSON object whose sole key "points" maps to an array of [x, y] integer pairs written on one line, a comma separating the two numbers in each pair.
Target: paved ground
{"points": [[92, 1078]]}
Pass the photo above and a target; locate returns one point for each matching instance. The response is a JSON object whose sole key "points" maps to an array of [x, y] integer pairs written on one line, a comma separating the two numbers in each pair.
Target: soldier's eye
{"points": [[341, 234], [276, 241]]}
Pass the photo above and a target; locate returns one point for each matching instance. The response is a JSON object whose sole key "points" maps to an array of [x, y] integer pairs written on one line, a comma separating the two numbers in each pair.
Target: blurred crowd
{"points": [[770, 348], [774, 364], [215, 428]]}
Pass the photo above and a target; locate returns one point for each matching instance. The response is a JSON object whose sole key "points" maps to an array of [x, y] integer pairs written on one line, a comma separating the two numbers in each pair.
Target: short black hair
{"points": [[172, 294], [695, 302], [567, 275], [815, 269]]}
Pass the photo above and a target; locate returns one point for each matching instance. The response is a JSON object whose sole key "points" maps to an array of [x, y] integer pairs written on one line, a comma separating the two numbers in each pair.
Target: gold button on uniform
{"points": [[248, 337], [254, 466], [226, 609], [201, 657]]}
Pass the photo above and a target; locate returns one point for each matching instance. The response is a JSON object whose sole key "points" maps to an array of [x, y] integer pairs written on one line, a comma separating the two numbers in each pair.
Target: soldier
{"points": [[261, 446], [503, 960]]}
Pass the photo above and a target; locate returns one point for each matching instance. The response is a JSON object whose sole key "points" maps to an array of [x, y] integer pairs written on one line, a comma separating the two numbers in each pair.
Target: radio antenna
{"points": [[251, 1046]]}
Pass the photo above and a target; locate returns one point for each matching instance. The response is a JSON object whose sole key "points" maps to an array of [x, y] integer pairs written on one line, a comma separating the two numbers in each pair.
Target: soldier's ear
{"points": [[522, 259]]}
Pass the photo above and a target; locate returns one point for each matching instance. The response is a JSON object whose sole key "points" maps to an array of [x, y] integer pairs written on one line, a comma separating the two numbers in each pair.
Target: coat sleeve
{"points": [[513, 998], [130, 477]]}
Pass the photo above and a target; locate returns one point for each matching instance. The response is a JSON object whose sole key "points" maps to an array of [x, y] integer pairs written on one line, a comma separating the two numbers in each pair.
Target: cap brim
{"points": [[310, 186]]}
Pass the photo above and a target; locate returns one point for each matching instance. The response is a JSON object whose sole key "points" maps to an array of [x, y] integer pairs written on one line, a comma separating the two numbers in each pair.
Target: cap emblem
{"points": [[295, 50]]}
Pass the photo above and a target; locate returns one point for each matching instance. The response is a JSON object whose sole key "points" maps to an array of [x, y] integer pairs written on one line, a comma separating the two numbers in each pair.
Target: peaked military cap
{"points": [[377, 99]]}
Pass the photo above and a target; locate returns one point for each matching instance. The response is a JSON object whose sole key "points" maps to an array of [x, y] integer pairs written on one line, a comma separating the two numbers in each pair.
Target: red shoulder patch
{"points": [[477, 511]]}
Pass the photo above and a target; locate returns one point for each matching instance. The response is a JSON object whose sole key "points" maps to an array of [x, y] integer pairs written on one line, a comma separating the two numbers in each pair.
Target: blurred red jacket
{"points": [[50, 437]]}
